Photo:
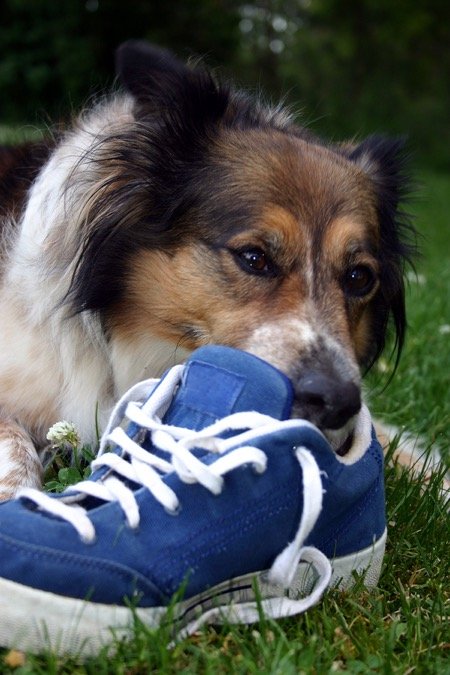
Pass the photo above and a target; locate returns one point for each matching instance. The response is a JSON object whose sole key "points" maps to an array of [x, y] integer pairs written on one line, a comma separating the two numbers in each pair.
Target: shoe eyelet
{"points": [[173, 512], [125, 525], [259, 471], [87, 541]]}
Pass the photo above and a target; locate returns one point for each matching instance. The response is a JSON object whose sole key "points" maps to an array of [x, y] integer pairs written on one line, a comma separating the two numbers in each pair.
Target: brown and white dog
{"points": [[181, 212]]}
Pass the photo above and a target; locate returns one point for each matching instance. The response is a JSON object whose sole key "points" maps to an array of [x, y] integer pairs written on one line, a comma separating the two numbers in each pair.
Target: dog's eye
{"points": [[254, 260], [359, 281]]}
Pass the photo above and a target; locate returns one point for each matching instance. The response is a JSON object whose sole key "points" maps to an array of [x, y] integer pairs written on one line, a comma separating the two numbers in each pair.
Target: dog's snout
{"points": [[326, 401]]}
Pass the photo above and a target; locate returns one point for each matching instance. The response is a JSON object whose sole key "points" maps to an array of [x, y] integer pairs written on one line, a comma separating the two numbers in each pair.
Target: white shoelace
{"points": [[146, 469]]}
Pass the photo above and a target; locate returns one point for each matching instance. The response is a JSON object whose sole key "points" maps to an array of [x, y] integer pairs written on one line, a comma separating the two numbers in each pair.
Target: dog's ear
{"points": [[383, 160], [145, 70], [159, 81]]}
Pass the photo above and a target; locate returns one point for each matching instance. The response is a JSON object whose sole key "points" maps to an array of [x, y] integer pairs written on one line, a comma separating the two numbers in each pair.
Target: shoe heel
{"points": [[367, 562]]}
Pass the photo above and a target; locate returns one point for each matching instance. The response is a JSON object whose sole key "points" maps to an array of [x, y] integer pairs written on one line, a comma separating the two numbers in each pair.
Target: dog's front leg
{"points": [[19, 462]]}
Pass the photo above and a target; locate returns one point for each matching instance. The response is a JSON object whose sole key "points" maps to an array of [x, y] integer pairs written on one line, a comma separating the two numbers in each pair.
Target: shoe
{"points": [[210, 489]]}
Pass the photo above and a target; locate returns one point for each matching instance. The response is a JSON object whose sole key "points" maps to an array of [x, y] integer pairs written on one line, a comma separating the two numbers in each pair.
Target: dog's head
{"points": [[222, 221]]}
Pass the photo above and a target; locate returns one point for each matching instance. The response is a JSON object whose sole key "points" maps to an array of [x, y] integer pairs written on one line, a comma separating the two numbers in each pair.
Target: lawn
{"points": [[418, 396], [403, 626]]}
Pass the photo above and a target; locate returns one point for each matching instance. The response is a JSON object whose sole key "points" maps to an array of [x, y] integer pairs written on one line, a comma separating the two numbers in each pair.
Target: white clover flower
{"points": [[63, 433]]}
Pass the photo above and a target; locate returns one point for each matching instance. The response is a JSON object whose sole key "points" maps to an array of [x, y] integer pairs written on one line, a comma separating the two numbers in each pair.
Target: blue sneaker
{"points": [[210, 488]]}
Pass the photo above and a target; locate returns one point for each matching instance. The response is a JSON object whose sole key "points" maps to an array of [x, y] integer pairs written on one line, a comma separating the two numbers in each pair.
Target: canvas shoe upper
{"points": [[210, 486]]}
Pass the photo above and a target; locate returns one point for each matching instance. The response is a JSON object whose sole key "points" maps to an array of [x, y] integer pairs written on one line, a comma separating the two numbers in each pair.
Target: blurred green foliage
{"points": [[354, 66]]}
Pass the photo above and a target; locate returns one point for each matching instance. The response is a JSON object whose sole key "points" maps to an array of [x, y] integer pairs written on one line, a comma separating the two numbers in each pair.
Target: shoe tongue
{"points": [[219, 381]]}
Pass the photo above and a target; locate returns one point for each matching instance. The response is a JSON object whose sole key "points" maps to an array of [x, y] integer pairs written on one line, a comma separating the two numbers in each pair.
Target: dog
{"points": [[180, 211]]}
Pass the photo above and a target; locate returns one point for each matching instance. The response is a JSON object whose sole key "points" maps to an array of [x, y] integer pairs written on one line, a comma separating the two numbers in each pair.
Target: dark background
{"points": [[349, 67]]}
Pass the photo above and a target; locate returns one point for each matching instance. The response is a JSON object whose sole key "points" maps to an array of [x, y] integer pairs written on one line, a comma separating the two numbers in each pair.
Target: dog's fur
{"points": [[181, 212]]}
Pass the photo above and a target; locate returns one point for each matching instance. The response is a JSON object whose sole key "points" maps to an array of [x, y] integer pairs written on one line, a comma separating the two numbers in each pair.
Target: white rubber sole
{"points": [[35, 621]]}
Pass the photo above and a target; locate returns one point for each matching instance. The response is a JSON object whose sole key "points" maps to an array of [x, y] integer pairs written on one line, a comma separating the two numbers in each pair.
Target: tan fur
{"points": [[20, 466], [347, 234], [410, 452], [309, 209]]}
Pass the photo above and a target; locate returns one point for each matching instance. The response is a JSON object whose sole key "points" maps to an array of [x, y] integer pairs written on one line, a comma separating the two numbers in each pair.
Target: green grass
{"points": [[17, 134], [418, 396], [401, 627]]}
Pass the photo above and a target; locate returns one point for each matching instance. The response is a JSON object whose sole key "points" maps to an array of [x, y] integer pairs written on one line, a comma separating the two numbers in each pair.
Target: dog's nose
{"points": [[327, 401]]}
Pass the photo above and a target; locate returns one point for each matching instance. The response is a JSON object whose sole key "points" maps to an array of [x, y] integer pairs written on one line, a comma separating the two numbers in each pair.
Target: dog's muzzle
{"points": [[326, 401], [330, 403]]}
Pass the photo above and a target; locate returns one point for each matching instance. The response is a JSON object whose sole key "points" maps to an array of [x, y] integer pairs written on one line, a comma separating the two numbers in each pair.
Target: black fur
{"points": [[388, 164], [163, 178], [162, 171]]}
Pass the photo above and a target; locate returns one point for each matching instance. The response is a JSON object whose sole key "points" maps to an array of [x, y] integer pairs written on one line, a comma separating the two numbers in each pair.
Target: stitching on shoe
{"points": [[235, 526], [123, 573], [358, 508]]}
